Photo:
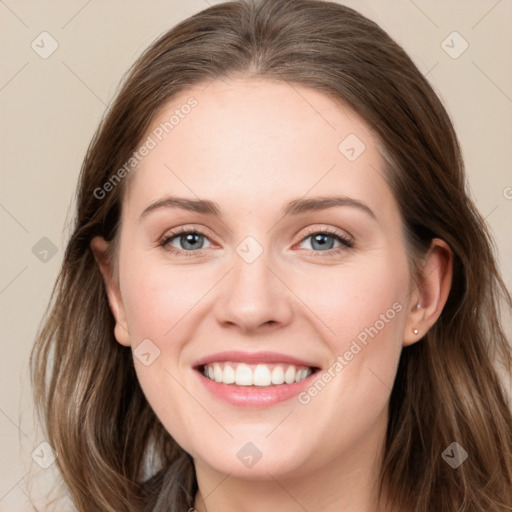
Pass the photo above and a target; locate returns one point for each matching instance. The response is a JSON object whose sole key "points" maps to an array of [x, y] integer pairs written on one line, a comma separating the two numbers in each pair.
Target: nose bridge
{"points": [[251, 280], [253, 296], [250, 275]]}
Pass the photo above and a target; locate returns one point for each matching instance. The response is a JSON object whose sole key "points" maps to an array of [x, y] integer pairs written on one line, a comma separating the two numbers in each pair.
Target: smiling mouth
{"points": [[257, 375]]}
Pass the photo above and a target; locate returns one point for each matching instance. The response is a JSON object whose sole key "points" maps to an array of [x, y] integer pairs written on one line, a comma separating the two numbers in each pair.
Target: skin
{"points": [[252, 146]]}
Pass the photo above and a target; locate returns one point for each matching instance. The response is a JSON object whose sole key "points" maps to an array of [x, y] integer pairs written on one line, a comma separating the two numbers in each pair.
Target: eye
{"points": [[189, 241], [324, 240]]}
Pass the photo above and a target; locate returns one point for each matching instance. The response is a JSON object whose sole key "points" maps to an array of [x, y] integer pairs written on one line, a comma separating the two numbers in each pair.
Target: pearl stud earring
{"points": [[415, 331]]}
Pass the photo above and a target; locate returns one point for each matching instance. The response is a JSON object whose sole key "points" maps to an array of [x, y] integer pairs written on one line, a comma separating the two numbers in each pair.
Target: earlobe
{"points": [[431, 293], [99, 248]]}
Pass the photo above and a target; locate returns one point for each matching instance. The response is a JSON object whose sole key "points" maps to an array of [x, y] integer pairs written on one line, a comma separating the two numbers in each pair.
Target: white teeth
{"points": [[300, 375], [289, 375], [243, 375], [217, 373], [261, 375], [229, 375], [278, 375]]}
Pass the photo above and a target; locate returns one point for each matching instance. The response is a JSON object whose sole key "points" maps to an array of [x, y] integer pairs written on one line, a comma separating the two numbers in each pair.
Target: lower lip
{"points": [[254, 396]]}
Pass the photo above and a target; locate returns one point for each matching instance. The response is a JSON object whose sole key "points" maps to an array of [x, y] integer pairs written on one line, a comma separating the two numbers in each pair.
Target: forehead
{"points": [[249, 139]]}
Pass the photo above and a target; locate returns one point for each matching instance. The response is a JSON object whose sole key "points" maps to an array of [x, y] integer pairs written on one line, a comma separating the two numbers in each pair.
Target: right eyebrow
{"points": [[193, 205]]}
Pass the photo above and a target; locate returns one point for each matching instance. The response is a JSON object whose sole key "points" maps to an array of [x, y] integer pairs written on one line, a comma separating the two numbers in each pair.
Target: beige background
{"points": [[51, 107]]}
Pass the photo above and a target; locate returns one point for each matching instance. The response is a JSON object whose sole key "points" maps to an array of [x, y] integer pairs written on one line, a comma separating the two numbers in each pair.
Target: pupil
{"points": [[191, 238], [321, 240]]}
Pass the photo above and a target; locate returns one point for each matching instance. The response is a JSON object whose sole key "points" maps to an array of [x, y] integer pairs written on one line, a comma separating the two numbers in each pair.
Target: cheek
{"points": [[363, 306], [160, 303], [356, 297], [159, 298]]}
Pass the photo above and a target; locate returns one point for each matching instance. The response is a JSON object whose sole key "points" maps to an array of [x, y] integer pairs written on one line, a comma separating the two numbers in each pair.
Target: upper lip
{"points": [[237, 356]]}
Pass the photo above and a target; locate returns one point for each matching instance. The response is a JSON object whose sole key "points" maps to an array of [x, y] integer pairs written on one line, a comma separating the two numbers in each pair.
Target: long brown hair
{"points": [[447, 388]]}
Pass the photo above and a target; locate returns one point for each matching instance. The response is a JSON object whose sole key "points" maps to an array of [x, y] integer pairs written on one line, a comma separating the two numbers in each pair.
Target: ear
{"points": [[99, 248], [431, 291]]}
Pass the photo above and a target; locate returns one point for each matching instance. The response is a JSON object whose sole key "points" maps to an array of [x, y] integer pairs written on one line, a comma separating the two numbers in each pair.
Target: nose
{"points": [[254, 297]]}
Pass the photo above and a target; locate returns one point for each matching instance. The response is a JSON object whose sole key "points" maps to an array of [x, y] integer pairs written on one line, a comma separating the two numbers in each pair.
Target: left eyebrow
{"points": [[295, 207], [322, 203]]}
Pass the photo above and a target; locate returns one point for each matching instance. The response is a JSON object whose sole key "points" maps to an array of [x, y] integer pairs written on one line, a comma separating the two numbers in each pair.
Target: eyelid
{"points": [[328, 230], [188, 228]]}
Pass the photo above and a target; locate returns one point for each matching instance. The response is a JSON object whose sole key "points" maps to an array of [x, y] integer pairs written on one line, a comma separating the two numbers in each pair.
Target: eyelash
{"points": [[346, 243]]}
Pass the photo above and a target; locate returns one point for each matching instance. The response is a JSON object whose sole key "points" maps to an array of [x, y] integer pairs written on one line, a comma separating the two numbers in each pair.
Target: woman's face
{"points": [[296, 264]]}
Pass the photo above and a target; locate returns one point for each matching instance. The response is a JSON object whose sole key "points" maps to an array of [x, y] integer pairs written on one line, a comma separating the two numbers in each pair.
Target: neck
{"points": [[346, 482]]}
